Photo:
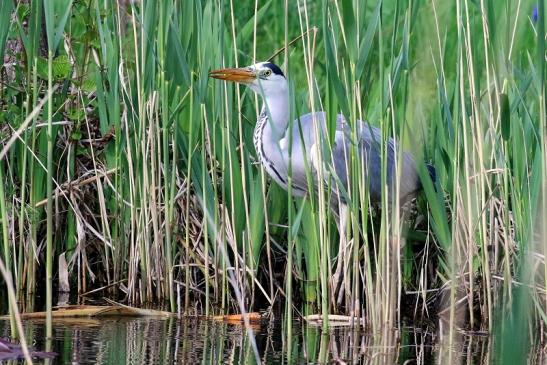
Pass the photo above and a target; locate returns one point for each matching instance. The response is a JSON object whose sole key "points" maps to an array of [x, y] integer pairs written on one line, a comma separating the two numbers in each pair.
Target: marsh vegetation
{"points": [[127, 173]]}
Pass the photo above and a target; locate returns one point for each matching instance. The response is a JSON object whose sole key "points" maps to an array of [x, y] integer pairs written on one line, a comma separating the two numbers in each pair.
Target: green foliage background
{"points": [[140, 169]]}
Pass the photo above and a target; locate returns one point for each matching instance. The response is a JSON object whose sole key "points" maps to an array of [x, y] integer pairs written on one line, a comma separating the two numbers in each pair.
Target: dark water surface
{"points": [[196, 341]]}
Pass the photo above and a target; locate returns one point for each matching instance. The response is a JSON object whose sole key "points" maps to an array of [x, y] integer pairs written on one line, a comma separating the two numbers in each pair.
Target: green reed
{"points": [[147, 172]]}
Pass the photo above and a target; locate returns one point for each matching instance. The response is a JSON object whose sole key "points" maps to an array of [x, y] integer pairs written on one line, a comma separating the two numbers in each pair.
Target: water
{"points": [[126, 340]]}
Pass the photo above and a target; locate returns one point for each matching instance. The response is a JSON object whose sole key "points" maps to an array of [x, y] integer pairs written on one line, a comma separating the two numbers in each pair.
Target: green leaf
{"points": [[41, 68], [366, 44], [76, 135], [350, 29], [23, 10], [56, 15], [245, 33], [505, 117], [332, 74], [6, 8], [88, 85], [76, 113], [256, 218], [61, 68]]}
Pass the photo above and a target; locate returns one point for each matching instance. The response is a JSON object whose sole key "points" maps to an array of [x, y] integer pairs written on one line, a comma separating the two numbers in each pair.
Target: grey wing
{"points": [[335, 163], [369, 149]]}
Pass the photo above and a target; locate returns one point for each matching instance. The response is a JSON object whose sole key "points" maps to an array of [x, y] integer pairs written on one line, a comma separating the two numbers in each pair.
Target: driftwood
{"points": [[92, 311], [335, 320]]}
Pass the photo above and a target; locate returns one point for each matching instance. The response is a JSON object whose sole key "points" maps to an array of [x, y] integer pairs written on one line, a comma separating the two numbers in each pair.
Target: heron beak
{"points": [[242, 75]]}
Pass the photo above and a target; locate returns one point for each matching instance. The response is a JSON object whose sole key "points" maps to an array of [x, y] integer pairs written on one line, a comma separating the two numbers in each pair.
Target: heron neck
{"points": [[275, 112]]}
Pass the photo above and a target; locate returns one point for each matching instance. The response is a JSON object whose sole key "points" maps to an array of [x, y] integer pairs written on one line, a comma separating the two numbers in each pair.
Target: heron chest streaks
{"points": [[258, 140], [275, 167], [257, 137]]}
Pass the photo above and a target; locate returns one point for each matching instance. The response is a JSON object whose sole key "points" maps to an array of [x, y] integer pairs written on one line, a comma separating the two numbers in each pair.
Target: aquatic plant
{"points": [[125, 169]]}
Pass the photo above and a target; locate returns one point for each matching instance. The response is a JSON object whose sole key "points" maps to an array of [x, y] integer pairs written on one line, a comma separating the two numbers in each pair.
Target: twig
{"points": [[63, 187], [314, 29], [103, 287], [27, 121], [15, 311]]}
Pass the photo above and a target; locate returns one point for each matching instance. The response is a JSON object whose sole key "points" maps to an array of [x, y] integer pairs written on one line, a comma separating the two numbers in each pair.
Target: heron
{"points": [[277, 148], [289, 153]]}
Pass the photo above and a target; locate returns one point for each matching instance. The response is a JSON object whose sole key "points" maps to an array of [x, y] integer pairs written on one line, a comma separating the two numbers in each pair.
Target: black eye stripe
{"points": [[275, 69]]}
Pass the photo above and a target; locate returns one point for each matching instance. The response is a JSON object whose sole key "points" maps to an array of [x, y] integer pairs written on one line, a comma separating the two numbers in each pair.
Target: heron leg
{"points": [[339, 273]]}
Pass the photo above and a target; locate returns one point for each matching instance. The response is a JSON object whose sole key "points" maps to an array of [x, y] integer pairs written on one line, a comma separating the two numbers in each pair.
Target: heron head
{"points": [[264, 78]]}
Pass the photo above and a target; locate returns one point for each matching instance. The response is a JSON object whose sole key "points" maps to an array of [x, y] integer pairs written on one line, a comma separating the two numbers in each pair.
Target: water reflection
{"points": [[191, 341]]}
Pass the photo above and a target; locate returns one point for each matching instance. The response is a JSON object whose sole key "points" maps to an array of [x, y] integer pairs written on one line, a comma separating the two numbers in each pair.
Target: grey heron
{"points": [[272, 142]]}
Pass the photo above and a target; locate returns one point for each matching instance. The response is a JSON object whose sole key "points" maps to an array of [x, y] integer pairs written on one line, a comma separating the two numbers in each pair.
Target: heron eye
{"points": [[267, 73]]}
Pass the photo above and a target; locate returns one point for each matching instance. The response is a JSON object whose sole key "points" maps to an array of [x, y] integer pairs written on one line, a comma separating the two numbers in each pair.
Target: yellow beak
{"points": [[242, 75]]}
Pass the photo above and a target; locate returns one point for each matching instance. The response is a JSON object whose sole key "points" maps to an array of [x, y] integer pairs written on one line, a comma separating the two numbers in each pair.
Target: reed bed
{"points": [[127, 170]]}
